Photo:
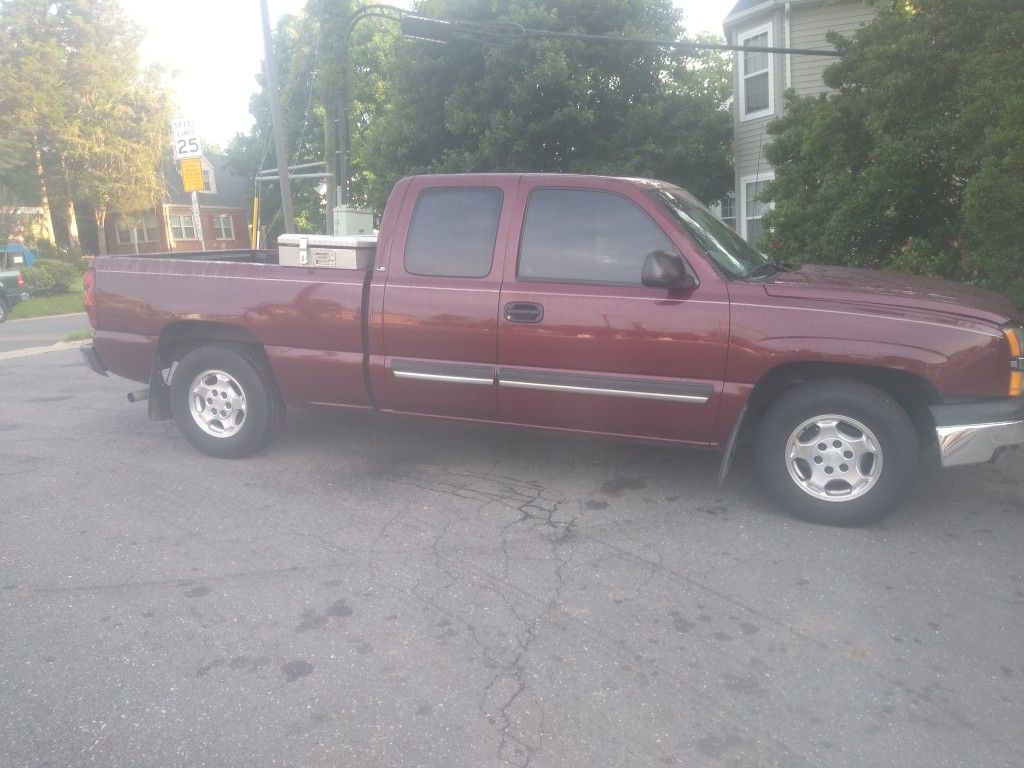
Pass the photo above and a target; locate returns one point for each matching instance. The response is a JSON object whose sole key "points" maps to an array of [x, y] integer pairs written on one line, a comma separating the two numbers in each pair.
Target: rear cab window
{"points": [[453, 231]]}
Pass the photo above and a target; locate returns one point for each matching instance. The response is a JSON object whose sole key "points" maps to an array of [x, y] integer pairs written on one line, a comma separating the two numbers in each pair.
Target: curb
{"points": [[60, 346], [44, 317]]}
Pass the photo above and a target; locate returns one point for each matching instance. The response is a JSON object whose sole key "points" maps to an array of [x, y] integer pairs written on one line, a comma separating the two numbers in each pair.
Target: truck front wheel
{"points": [[837, 452], [4, 310], [223, 402]]}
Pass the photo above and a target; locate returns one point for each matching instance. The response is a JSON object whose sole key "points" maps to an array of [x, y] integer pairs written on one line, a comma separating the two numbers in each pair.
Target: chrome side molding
{"points": [[606, 386], [453, 373]]}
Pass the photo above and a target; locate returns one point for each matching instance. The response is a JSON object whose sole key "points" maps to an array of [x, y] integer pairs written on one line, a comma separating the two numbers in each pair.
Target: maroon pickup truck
{"points": [[594, 305]]}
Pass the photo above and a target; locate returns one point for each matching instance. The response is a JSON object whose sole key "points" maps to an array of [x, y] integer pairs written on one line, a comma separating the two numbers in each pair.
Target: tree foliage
{"points": [[552, 105], [916, 161], [538, 105], [79, 97], [304, 46]]}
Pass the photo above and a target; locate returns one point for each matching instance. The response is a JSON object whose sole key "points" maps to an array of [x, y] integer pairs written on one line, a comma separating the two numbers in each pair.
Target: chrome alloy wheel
{"points": [[834, 458], [217, 403]]}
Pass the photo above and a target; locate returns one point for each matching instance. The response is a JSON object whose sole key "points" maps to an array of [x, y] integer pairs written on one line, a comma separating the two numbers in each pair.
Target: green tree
{"points": [[83, 112], [299, 43], [30, 99], [916, 161], [552, 105], [115, 158]]}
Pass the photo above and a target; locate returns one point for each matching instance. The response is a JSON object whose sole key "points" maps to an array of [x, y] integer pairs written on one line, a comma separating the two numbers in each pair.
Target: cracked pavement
{"points": [[373, 591]]}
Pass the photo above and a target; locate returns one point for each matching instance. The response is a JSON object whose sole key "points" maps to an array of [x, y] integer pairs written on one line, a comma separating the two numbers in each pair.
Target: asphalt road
{"points": [[377, 592], [39, 331]]}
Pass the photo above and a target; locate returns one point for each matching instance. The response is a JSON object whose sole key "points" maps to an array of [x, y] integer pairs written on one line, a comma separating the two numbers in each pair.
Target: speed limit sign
{"points": [[186, 139]]}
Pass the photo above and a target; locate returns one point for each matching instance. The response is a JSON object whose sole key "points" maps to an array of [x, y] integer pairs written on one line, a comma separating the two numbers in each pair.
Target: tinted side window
{"points": [[452, 232], [587, 236]]}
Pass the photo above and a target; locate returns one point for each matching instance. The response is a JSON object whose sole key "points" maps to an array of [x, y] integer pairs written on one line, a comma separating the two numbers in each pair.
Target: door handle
{"points": [[523, 312]]}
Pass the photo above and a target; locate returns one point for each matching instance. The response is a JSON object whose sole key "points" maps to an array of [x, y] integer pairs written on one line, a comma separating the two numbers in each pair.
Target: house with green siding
{"points": [[761, 79]]}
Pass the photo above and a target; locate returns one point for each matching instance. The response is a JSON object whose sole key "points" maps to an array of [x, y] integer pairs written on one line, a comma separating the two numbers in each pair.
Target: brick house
{"points": [[223, 208], [760, 80]]}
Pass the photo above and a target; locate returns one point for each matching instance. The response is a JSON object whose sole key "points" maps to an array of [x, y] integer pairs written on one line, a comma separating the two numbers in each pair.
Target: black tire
{"points": [[5, 311], [263, 410], [897, 452]]}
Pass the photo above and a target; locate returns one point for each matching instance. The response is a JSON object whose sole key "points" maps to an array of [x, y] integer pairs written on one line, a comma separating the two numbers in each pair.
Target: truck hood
{"points": [[865, 286]]}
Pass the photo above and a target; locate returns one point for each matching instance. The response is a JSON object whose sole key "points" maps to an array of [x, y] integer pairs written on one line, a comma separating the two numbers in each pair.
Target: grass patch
{"points": [[44, 306], [84, 335]]}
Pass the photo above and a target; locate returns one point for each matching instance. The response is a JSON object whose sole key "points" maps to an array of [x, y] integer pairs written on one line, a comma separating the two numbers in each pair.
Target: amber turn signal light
{"points": [[1013, 338]]}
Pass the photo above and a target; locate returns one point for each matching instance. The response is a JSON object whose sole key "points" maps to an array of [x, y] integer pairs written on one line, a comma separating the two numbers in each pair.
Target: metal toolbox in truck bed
{"points": [[327, 251]]}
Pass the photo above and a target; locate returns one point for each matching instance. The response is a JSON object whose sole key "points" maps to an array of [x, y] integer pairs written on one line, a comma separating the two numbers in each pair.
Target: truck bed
{"points": [[308, 320], [235, 256]]}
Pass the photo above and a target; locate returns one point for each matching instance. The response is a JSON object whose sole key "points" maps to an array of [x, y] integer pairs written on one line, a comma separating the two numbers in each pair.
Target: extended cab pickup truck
{"points": [[595, 305]]}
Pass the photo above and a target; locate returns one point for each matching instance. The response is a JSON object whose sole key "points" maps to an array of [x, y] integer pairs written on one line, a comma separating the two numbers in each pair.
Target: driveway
{"points": [[377, 592]]}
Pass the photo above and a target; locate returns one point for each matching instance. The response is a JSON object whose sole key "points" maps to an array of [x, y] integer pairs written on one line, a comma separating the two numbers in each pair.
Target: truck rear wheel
{"points": [[223, 402], [837, 452]]}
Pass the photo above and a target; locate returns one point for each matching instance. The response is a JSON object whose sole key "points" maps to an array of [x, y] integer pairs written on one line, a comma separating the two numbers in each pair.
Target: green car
{"points": [[12, 284]]}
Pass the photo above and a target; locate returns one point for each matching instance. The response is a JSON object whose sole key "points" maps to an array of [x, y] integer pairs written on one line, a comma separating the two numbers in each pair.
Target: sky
{"points": [[214, 48]]}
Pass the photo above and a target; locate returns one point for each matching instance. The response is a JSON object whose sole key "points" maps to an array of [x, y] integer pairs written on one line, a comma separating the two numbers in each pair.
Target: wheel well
{"points": [[178, 339], [912, 392]]}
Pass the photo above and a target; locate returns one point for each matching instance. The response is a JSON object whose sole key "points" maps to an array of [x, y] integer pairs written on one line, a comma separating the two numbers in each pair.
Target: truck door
{"points": [[583, 345], [440, 307]]}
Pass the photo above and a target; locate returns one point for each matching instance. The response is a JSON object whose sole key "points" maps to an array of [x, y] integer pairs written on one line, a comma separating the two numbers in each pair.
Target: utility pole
{"points": [[277, 122], [327, 11], [336, 26]]}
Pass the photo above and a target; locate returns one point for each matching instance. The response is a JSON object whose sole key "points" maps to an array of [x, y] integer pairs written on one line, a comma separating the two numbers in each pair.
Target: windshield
{"points": [[733, 255]]}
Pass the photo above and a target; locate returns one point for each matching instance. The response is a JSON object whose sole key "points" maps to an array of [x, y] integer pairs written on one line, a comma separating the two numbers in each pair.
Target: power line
{"points": [[505, 33]]}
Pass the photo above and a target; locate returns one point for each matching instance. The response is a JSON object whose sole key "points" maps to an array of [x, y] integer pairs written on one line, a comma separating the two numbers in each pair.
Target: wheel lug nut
{"points": [[828, 470], [848, 454], [843, 468], [818, 460], [836, 444], [822, 446]]}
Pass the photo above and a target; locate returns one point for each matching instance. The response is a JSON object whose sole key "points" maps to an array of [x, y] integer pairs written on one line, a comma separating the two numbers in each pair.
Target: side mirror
{"points": [[667, 270]]}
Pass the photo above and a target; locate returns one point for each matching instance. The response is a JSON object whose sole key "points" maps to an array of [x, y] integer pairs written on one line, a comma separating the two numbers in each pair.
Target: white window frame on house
{"points": [[722, 207], [743, 75], [723, 210], [186, 223], [209, 179], [145, 227], [220, 232], [744, 181]]}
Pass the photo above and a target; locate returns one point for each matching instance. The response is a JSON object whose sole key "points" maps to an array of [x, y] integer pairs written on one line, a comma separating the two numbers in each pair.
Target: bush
{"points": [[47, 251], [50, 276], [38, 280]]}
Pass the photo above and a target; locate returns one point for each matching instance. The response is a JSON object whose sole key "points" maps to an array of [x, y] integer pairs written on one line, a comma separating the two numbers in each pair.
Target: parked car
{"points": [[592, 305], [12, 283]]}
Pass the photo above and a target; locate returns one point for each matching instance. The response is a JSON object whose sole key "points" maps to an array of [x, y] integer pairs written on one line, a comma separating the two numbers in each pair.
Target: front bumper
{"points": [[92, 359], [974, 433]]}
